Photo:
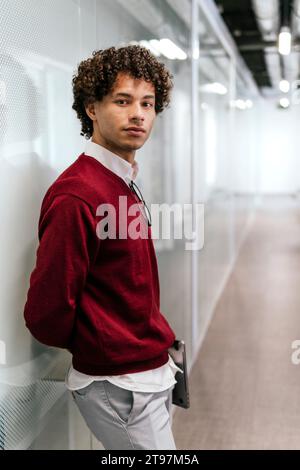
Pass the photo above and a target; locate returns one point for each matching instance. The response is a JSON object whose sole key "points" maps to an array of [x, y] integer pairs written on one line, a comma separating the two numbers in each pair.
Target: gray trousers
{"points": [[122, 419]]}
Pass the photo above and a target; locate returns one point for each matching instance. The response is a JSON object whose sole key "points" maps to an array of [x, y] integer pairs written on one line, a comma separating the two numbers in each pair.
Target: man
{"points": [[97, 295]]}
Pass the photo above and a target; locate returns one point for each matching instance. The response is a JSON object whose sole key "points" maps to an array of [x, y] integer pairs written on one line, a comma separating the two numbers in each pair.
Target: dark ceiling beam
{"points": [[263, 45], [285, 12], [240, 19]]}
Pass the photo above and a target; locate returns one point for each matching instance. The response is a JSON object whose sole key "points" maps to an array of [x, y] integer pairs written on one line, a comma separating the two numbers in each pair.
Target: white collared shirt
{"points": [[113, 162], [155, 380]]}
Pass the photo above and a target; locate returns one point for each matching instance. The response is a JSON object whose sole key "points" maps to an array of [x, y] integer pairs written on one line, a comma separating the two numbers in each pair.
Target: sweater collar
{"points": [[112, 161]]}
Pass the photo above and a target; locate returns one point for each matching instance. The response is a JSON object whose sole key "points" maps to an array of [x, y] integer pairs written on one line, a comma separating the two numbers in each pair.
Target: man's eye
{"points": [[121, 101], [150, 104]]}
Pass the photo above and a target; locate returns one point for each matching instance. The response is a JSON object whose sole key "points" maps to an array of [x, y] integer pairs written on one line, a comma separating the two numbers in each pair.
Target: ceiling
{"points": [[243, 23]]}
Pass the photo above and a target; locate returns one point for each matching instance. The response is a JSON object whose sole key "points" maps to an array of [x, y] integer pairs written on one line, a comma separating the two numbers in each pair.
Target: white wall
{"points": [[266, 149], [279, 165]]}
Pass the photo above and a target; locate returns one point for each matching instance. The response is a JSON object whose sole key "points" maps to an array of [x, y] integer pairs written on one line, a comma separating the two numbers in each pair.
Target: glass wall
{"points": [[220, 155], [214, 169], [42, 41]]}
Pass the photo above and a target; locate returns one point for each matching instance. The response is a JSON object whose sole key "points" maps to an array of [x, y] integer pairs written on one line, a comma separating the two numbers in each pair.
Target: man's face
{"points": [[131, 104]]}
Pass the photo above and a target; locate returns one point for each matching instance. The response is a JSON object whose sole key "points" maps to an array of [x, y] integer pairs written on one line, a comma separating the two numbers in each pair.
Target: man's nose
{"points": [[137, 113]]}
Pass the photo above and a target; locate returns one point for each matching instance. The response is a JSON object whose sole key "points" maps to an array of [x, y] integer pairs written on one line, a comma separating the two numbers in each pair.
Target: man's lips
{"points": [[135, 131]]}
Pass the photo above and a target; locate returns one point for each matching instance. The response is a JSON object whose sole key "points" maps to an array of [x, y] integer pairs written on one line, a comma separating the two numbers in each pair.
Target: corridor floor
{"points": [[245, 390]]}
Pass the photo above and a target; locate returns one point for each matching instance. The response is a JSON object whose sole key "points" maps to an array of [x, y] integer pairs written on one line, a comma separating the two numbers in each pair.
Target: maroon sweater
{"points": [[98, 298]]}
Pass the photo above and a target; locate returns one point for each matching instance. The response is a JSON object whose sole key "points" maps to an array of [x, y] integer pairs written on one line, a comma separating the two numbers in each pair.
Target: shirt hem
{"points": [[117, 369]]}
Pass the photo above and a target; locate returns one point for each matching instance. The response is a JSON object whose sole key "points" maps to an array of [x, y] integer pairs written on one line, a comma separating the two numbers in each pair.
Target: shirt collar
{"points": [[112, 161]]}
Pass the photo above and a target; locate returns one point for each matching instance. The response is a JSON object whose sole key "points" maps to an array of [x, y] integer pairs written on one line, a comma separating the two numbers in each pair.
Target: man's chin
{"points": [[132, 143], [133, 146]]}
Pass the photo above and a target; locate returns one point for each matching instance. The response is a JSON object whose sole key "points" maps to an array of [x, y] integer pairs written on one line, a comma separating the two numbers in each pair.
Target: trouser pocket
{"points": [[120, 400]]}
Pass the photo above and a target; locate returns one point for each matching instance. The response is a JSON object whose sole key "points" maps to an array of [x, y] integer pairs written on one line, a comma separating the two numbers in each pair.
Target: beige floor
{"points": [[245, 391]]}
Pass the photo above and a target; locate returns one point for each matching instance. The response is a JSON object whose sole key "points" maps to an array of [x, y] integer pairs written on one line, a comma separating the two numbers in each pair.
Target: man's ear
{"points": [[90, 111]]}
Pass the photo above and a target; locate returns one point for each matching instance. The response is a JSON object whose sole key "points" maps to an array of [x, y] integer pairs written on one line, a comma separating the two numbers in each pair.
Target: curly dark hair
{"points": [[97, 75]]}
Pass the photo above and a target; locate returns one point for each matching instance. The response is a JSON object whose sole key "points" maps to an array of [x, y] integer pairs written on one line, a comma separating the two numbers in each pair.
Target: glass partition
{"points": [[42, 43]]}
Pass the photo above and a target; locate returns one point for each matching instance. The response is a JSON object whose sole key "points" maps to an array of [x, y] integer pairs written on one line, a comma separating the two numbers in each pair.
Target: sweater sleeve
{"points": [[68, 244]]}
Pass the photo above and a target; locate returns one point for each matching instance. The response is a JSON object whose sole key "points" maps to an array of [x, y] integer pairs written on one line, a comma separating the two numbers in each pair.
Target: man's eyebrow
{"points": [[128, 95]]}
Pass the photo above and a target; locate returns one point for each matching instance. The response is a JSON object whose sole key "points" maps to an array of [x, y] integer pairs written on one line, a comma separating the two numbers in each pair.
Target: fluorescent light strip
{"points": [[285, 41], [170, 50], [166, 47], [150, 47], [214, 87]]}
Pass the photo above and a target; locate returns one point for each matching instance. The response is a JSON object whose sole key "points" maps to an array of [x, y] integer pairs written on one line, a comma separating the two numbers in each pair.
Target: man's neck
{"points": [[128, 156]]}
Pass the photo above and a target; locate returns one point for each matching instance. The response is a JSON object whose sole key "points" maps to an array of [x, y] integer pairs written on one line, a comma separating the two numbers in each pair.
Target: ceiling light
{"points": [[284, 86], [150, 47], [284, 103], [214, 87], [241, 104], [154, 43], [285, 41], [169, 49]]}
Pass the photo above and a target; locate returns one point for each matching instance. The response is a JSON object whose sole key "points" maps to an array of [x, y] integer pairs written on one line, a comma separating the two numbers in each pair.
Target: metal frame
{"points": [[194, 142], [209, 10]]}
